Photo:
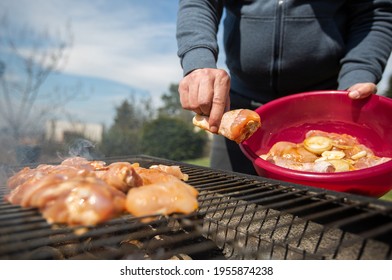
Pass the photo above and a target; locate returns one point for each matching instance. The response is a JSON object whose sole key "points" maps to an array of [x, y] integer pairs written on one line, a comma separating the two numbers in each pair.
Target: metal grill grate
{"points": [[240, 217]]}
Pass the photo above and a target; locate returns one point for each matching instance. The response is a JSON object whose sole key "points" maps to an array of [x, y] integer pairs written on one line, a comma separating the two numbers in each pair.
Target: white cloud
{"points": [[115, 40], [130, 42]]}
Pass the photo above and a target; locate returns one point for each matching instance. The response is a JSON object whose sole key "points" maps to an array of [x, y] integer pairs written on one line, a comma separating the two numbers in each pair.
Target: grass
{"points": [[387, 196], [200, 161], [206, 163]]}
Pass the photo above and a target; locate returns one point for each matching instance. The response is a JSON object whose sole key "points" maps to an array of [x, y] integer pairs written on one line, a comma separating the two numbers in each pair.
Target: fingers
{"points": [[206, 92], [220, 100], [190, 89], [194, 89], [362, 90], [183, 91]]}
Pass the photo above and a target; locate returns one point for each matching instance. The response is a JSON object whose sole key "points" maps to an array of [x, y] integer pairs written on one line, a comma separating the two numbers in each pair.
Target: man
{"points": [[276, 48]]}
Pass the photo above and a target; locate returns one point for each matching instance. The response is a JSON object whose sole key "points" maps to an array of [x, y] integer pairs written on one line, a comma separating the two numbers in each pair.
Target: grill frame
{"points": [[240, 217]]}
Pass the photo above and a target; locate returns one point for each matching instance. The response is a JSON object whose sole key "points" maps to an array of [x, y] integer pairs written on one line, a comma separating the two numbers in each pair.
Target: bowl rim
{"points": [[380, 98], [303, 175]]}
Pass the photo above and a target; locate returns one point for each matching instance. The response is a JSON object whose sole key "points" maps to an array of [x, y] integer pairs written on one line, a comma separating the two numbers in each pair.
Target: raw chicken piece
{"points": [[291, 151], [237, 125], [47, 189], [323, 152], [171, 169], [163, 198], [318, 166], [339, 140], [161, 193], [365, 162], [84, 201], [80, 192], [22, 195], [70, 195], [22, 176], [33, 174], [27, 179], [154, 175], [120, 175], [83, 163]]}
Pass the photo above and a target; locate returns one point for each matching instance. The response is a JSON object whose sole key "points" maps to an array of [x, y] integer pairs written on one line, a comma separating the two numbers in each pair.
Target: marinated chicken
{"points": [[28, 194], [28, 174], [323, 152], [173, 170], [154, 175], [236, 125], [74, 198], [164, 198], [120, 175], [82, 163], [82, 192], [84, 201]]}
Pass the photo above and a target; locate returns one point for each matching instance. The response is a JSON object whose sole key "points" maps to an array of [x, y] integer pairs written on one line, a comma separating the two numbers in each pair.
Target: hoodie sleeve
{"points": [[369, 42], [197, 28]]}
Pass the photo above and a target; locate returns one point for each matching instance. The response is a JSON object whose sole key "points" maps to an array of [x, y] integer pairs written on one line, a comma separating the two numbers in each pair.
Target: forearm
{"points": [[197, 27], [369, 42]]}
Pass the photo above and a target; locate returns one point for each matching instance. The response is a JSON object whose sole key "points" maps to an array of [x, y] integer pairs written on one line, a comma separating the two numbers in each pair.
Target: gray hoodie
{"points": [[279, 47]]}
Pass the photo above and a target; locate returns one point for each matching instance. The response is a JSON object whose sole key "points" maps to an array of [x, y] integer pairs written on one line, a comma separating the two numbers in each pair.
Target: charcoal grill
{"points": [[240, 217]]}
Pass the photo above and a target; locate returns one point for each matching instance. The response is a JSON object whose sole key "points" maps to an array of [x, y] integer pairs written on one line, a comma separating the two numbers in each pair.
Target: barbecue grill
{"points": [[240, 217]]}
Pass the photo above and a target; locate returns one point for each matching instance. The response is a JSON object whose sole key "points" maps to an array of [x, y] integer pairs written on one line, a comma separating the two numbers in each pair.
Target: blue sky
{"points": [[119, 47]]}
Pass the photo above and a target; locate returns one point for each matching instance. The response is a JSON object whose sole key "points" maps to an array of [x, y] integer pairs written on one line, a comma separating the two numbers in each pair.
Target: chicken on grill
{"points": [[84, 201], [164, 198], [82, 192], [120, 175]]}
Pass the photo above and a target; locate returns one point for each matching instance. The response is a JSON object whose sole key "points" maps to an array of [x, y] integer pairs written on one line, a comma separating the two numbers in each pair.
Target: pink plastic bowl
{"points": [[289, 118]]}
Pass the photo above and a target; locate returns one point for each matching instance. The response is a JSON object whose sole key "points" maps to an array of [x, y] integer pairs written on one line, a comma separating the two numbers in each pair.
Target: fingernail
{"points": [[354, 94], [214, 129]]}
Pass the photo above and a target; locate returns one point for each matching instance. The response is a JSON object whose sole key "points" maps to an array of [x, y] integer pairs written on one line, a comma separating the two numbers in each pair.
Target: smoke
{"points": [[3, 175], [84, 148]]}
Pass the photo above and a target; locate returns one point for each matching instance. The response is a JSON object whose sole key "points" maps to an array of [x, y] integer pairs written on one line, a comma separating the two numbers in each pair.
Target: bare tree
{"points": [[27, 59]]}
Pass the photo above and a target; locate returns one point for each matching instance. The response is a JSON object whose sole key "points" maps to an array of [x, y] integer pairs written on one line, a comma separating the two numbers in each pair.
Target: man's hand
{"points": [[206, 92], [362, 90]]}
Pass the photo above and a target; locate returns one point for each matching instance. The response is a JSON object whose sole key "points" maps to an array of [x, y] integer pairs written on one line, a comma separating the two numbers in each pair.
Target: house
{"points": [[59, 131]]}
